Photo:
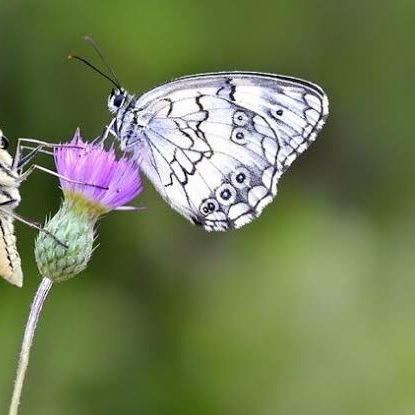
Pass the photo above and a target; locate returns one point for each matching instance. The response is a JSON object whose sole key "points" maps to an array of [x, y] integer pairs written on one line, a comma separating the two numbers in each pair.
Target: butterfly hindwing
{"points": [[10, 267], [216, 144]]}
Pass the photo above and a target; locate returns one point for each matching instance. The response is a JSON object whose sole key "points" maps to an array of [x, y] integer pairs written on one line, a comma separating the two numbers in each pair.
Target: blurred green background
{"points": [[309, 310]]}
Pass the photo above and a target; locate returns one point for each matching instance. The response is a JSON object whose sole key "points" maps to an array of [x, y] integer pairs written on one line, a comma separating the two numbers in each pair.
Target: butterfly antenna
{"points": [[94, 68], [101, 55]]}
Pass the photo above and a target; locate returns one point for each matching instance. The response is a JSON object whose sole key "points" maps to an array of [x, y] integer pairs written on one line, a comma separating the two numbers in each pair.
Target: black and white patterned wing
{"points": [[217, 144], [10, 267]]}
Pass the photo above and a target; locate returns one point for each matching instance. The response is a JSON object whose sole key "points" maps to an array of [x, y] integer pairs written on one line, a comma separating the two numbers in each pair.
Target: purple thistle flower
{"points": [[99, 183], [107, 181]]}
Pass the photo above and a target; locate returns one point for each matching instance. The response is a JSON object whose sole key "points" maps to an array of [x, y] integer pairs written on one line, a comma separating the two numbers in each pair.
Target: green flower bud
{"points": [[66, 249]]}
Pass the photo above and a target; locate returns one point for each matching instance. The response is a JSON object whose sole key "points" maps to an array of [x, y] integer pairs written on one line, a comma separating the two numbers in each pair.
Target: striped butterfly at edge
{"points": [[13, 172], [215, 145]]}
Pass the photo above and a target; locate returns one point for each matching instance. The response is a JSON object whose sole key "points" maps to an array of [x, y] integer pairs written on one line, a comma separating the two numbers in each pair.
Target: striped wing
{"points": [[217, 144], [10, 266]]}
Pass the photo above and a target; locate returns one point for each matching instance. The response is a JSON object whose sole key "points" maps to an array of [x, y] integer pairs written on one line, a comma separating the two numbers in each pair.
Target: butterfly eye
{"points": [[4, 142], [209, 206], [118, 100]]}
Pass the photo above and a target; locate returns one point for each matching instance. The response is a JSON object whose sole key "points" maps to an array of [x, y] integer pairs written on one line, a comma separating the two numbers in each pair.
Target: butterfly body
{"points": [[215, 145], [10, 264]]}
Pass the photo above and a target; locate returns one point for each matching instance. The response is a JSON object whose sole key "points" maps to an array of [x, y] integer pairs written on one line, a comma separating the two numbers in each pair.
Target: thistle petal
{"points": [[103, 178]]}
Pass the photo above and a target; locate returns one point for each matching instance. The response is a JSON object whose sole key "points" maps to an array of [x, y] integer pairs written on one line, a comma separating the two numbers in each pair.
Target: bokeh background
{"points": [[309, 310]]}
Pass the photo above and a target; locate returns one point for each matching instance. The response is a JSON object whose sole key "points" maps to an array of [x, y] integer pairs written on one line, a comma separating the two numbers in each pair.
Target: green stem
{"points": [[29, 332]]}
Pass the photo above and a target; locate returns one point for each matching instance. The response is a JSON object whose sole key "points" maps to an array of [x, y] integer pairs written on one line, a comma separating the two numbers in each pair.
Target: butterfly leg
{"points": [[107, 131], [33, 167], [21, 162], [28, 222], [34, 141], [43, 151], [36, 146]]}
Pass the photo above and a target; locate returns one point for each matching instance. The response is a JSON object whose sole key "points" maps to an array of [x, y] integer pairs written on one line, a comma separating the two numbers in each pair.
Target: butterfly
{"points": [[215, 145], [10, 264]]}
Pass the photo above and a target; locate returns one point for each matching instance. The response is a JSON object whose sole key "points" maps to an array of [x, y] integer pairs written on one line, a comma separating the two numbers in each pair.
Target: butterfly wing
{"points": [[216, 144], [10, 267]]}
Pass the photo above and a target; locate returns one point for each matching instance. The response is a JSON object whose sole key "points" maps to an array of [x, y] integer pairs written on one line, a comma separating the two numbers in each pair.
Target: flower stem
{"points": [[29, 332]]}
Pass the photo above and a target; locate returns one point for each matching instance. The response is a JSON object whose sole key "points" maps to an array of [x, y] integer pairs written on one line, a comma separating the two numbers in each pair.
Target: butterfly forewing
{"points": [[215, 145]]}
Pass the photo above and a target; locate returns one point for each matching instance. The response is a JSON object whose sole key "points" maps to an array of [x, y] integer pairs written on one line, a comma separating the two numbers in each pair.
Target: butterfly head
{"points": [[117, 99], [4, 142], [5, 158]]}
